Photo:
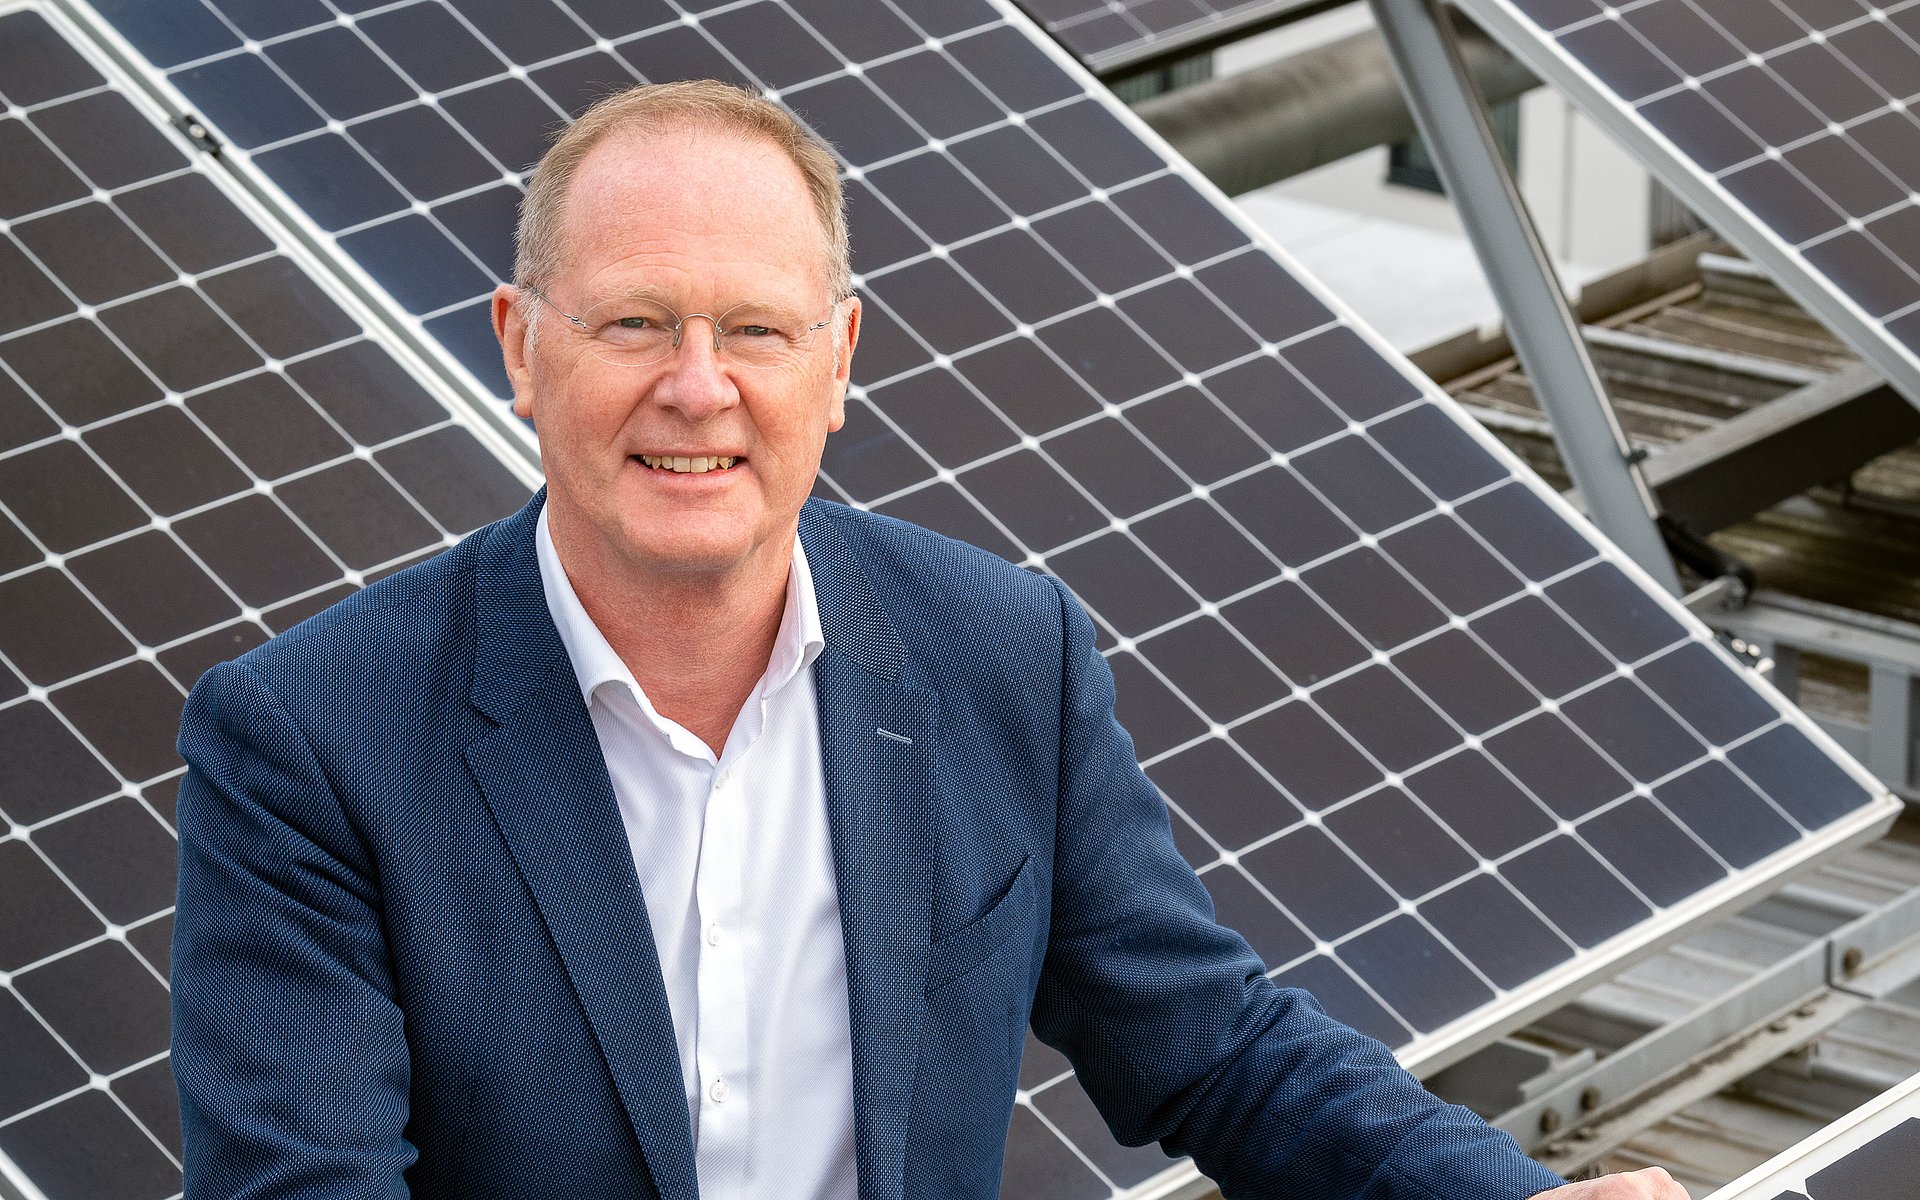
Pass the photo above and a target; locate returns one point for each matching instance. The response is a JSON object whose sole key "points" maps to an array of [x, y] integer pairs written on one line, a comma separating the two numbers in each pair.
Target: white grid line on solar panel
{"points": [[1891, 1118], [1110, 34], [70, 434], [1024, 333], [1767, 61], [148, 650], [154, 522], [1392, 779], [41, 694], [1829, 200]]}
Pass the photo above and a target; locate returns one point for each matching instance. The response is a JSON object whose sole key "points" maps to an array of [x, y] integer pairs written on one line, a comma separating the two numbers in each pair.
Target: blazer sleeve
{"points": [[288, 1045], [1179, 1036]]}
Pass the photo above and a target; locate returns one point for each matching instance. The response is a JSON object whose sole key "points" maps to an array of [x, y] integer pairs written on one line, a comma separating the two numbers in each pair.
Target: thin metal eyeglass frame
{"points": [[679, 323]]}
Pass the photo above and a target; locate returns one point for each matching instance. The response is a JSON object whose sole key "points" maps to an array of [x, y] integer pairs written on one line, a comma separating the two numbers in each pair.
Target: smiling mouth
{"points": [[682, 465]]}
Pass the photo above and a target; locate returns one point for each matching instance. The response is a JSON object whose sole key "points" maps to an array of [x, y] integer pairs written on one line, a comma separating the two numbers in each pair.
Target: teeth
{"points": [[682, 465]]}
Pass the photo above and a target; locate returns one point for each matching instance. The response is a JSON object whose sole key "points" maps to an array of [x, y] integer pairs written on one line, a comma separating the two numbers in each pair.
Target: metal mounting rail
{"points": [[1585, 1112]]}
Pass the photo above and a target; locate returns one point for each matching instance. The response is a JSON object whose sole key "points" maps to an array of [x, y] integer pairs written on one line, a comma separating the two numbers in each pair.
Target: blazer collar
{"points": [[878, 723], [546, 783]]}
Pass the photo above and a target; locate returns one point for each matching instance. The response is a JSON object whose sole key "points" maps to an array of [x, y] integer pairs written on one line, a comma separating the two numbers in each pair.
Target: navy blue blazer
{"points": [[412, 957]]}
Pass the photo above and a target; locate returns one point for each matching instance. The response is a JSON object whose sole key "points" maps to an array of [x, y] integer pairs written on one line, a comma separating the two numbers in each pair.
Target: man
{"points": [[678, 834]]}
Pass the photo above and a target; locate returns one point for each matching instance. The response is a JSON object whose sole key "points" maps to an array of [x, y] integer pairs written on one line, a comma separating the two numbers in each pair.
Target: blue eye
{"points": [[638, 323]]}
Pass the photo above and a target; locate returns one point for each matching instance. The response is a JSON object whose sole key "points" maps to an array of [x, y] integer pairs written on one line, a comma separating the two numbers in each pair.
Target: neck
{"points": [[698, 642]]}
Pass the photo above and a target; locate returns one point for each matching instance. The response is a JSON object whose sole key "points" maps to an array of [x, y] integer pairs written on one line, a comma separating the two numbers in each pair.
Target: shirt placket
{"points": [[726, 1075]]}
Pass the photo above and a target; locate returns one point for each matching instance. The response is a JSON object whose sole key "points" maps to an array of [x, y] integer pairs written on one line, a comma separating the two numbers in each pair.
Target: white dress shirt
{"points": [[736, 868]]}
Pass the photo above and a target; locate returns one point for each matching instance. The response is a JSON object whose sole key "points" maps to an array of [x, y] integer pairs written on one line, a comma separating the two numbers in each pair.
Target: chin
{"points": [[686, 551]]}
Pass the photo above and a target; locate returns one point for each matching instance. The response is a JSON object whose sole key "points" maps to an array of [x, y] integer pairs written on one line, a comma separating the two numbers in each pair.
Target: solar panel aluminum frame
{"points": [[1732, 219], [422, 353], [1789, 1169], [1199, 36], [14, 1184], [1441, 1048]]}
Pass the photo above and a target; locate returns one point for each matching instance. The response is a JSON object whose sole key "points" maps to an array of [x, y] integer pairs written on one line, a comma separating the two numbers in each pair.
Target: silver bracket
{"points": [[1584, 1115]]}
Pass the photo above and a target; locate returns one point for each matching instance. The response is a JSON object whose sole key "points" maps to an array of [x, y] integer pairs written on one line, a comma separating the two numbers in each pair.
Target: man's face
{"points": [[700, 222]]}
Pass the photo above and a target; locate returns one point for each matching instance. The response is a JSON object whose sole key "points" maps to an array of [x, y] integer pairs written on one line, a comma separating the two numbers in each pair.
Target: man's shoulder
{"points": [[949, 602], [899, 555], [415, 613]]}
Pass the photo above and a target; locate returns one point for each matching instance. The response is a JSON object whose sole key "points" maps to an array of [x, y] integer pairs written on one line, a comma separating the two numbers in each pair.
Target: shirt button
{"points": [[719, 1092], [713, 935], [720, 780]]}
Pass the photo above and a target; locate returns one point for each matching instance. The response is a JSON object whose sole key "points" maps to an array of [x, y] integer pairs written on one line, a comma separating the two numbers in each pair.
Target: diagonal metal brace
{"points": [[1542, 328]]}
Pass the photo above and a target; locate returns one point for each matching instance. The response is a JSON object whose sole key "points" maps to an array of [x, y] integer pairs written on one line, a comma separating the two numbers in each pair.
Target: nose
{"points": [[693, 379]]}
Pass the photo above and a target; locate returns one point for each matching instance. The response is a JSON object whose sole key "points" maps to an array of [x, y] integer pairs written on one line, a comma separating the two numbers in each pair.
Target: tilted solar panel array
{"points": [[198, 447], [1872, 1153], [1440, 755], [1791, 125], [1113, 35]]}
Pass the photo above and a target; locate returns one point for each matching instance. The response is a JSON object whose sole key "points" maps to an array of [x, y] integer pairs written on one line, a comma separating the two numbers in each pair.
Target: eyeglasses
{"points": [[639, 333]]}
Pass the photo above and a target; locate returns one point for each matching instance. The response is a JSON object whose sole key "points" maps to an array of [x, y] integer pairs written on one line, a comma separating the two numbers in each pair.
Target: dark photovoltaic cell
{"points": [[1871, 1153], [198, 447], [1112, 35], [1789, 124], [1395, 697]]}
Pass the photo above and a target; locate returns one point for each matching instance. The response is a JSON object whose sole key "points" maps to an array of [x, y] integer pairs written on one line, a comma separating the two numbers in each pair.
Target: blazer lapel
{"points": [[546, 784], [877, 729]]}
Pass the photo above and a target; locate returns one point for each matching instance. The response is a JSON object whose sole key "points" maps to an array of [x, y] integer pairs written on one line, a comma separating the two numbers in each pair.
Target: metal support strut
{"points": [[1539, 322]]}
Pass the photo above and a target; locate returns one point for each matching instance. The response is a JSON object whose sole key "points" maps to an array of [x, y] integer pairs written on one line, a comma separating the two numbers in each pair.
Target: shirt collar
{"points": [[798, 643]]}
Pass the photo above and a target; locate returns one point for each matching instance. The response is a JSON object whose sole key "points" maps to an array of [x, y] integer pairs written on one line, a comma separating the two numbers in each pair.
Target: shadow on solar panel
{"points": [[1437, 752]]}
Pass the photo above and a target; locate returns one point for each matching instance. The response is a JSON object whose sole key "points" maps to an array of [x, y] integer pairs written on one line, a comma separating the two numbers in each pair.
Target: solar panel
{"points": [[199, 445], [1111, 36], [1441, 754], [1872, 1153], [1788, 124]]}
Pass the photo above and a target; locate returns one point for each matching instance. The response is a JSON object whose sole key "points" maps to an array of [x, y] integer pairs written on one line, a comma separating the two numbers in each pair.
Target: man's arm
{"points": [[288, 1047], [1180, 1037]]}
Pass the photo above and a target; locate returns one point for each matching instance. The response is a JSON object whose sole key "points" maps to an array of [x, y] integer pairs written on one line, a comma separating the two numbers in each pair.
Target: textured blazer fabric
{"points": [[412, 957]]}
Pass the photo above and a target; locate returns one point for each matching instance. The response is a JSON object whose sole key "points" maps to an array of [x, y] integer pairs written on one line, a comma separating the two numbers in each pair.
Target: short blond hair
{"points": [[653, 108]]}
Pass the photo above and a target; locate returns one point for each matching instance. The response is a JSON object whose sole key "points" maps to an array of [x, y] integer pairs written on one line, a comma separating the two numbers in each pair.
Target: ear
{"points": [[846, 337], [510, 326]]}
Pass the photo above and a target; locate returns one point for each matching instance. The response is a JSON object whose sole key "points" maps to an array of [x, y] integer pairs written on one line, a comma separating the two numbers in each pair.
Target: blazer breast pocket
{"points": [[958, 952]]}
